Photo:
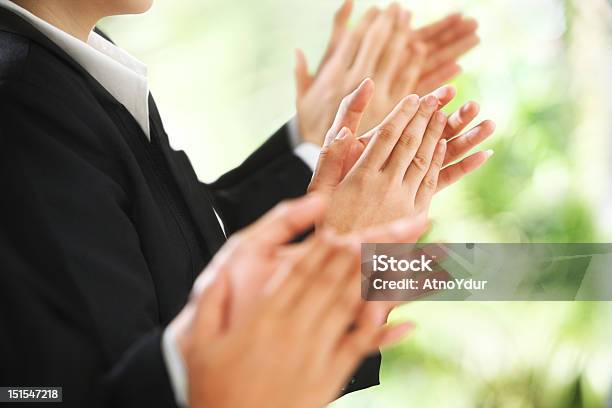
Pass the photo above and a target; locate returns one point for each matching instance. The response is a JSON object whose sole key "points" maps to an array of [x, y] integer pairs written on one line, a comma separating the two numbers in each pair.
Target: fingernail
{"points": [[489, 153], [411, 100], [343, 133], [431, 100], [441, 92], [440, 117], [442, 142], [365, 83]]}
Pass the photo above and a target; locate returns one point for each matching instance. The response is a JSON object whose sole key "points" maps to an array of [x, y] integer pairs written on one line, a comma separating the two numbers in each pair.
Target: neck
{"points": [[72, 17]]}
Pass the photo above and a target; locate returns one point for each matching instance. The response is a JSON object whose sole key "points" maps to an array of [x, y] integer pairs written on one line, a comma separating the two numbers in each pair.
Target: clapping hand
{"points": [[293, 335], [393, 170], [383, 47]]}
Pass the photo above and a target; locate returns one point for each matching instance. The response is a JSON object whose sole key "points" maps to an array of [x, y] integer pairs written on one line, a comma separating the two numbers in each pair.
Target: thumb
{"points": [[330, 167], [303, 79], [352, 109]]}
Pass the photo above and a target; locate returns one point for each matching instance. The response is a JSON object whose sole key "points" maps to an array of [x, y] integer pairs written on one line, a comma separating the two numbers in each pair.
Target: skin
{"points": [[309, 311], [77, 17], [393, 170], [383, 47]]}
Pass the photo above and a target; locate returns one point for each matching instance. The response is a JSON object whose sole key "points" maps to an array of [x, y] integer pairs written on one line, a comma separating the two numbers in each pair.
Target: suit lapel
{"points": [[196, 194]]}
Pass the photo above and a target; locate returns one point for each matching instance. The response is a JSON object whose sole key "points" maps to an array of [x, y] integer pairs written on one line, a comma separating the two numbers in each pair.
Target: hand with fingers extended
{"points": [[293, 334], [394, 169], [444, 42], [382, 47]]}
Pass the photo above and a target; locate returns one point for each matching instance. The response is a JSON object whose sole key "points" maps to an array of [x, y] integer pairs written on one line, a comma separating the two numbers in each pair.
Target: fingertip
{"points": [[489, 126], [489, 153], [365, 84], [412, 99], [397, 332], [470, 23], [406, 16], [440, 117], [454, 16], [445, 94], [298, 54], [315, 202], [431, 100], [451, 91], [343, 11], [393, 8], [470, 108], [372, 13], [300, 61]]}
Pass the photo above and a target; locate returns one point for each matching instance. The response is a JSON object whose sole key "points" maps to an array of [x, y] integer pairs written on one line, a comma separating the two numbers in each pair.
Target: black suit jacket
{"points": [[102, 232]]}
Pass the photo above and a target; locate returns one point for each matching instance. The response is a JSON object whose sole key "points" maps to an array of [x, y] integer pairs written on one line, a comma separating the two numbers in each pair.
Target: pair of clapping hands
{"points": [[272, 323]]}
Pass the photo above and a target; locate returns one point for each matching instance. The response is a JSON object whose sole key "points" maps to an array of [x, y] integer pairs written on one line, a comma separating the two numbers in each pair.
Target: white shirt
{"points": [[125, 78]]}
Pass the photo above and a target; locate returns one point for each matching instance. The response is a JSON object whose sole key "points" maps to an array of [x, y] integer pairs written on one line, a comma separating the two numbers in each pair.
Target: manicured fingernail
{"points": [[431, 100], [343, 133], [489, 153]]}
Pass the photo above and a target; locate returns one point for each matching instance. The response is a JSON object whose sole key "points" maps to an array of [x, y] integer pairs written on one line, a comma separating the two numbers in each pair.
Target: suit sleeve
{"points": [[79, 307], [271, 174]]}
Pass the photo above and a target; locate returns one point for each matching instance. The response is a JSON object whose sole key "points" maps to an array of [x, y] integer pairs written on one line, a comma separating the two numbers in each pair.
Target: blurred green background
{"points": [[222, 74]]}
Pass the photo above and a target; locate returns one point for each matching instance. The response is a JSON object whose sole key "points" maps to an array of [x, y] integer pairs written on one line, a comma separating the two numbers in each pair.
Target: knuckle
{"points": [[325, 152], [386, 132], [420, 163], [407, 141], [430, 183], [438, 161], [425, 112]]}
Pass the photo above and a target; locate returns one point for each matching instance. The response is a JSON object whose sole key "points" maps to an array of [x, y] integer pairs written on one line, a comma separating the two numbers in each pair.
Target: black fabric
{"points": [[102, 232]]}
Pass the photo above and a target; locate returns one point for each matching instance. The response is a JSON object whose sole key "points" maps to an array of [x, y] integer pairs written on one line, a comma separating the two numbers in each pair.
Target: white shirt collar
{"points": [[122, 75]]}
